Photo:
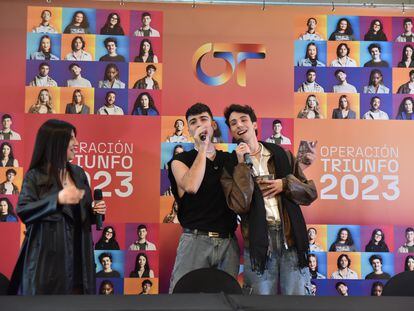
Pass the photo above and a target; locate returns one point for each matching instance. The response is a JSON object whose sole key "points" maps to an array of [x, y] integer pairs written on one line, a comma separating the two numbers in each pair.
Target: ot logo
{"points": [[228, 52]]}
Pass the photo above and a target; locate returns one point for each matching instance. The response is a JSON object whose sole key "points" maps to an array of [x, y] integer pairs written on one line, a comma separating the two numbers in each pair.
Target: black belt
{"points": [[210, 234]]}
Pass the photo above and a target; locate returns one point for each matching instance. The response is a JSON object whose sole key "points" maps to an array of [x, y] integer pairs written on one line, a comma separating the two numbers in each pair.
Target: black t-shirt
{"points": [[107, 58], [207, 209], [112, 274], [382, 276]]}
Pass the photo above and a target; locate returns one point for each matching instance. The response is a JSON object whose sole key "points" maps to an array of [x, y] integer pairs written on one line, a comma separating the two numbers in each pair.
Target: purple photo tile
{"points": [[55, 71], [135, 43], [397, 100], [102, 15], [100, 68], [365, 23], [398, 26], [165, 182], [386, 103], [133, 96], [327, 287], [397, 52], [321, 77], [121, 99], [118, 284], [366, 286], [88, 71], [353, 77], [365, 73], [131, 256], [366, 232], [287, 130], [399, 262], [136, 21], [399, 236], [131, 234], [119, 229]]}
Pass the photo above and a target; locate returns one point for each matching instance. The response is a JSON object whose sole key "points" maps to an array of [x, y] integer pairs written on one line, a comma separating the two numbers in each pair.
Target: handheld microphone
{"points": [[97, 196], [247, 159]]}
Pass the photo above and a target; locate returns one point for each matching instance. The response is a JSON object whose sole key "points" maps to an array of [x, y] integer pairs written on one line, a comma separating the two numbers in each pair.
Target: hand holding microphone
{"points": [[243, 153], [98, 207]]}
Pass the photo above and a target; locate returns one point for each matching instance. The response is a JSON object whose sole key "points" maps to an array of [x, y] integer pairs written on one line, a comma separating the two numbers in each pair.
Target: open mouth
{"points": [[241, 132]]}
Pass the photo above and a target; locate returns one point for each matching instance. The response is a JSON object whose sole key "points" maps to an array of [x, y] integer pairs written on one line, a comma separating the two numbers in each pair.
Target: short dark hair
{"points": [[373, 257], [141, 227], [407, 20], [145, 14], [310, 70], [340, 283], [110, 39], [11, 170], [109, 92], [411, 72], [239, 108], [409, 229], [151, 66], [73, 65], [147, 282], [43, 64], [103, 255], [6, 116], [374, 45], [197, 109], [338, 71], [276, 121]]}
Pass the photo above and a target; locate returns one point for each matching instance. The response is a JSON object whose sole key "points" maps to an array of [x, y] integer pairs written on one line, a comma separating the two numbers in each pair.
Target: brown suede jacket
{"points": [[238, 190]]}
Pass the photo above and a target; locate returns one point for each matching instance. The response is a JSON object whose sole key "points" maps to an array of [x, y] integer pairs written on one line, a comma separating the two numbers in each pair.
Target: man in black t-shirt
{"points": [[377, 273], [208, 238], [111, 45]]}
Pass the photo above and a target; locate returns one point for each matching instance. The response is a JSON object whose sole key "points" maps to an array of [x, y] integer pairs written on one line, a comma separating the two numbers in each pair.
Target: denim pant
{"points": [[282, 270], [200, 251]]}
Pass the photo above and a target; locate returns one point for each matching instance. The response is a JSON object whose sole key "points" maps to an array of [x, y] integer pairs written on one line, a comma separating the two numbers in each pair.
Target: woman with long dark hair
{"points": [[407, 57], [144, 105], [57, 208], [79, 24], [142, 268], [408, 264], [343, 31], [146, 53], [377, 242], [112, 25], [406, 109], [6, 156], [375, 31], [7, 213], [108, 240], [343, 242]]}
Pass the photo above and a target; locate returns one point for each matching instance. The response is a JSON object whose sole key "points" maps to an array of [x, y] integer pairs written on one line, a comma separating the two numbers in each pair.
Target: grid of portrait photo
{"points": [[11, 164], [127, 259], [354, 67], [93, 61], [353, 260]]}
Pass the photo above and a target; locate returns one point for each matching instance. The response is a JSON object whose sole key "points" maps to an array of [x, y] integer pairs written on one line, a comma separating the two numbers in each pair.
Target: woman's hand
{"points": [[99, 207], [70, 195]]}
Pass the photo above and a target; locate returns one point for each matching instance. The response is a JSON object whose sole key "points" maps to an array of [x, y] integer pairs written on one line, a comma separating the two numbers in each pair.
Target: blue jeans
{"points": [[200, 251], [282, 270]]}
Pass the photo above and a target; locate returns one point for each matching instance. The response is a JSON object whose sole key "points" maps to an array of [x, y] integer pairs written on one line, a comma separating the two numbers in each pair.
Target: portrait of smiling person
{"points": [[193, 135]]}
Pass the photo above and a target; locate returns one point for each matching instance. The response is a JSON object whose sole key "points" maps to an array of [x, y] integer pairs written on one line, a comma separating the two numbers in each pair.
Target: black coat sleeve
{"points": [[30, 207]]}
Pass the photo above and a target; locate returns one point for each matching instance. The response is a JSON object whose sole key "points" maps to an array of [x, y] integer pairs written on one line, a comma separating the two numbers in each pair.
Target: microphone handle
{"points": [[248, 160], [99, 222]]}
